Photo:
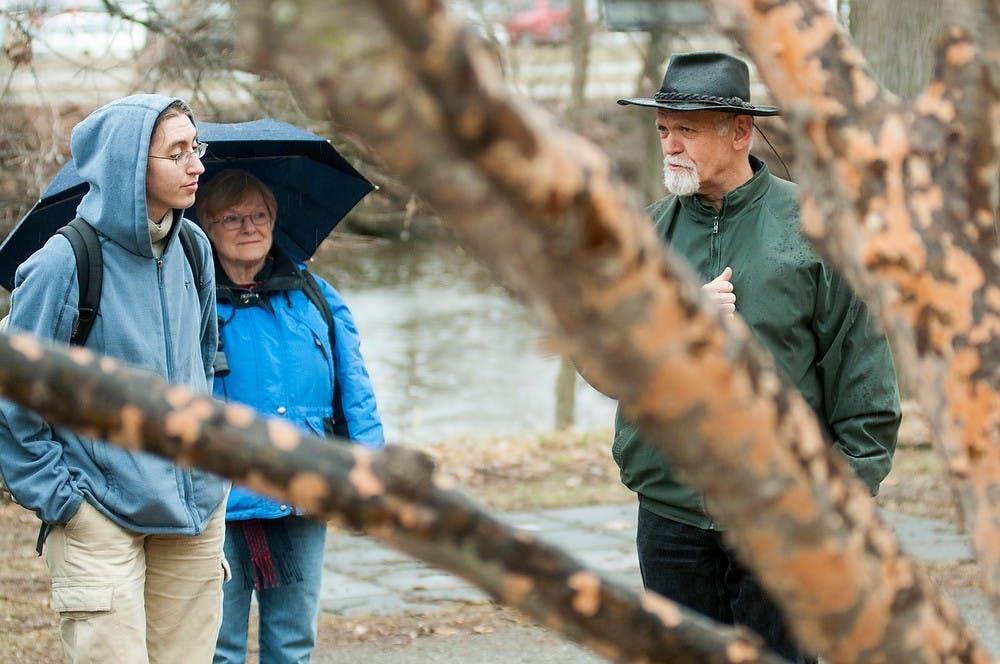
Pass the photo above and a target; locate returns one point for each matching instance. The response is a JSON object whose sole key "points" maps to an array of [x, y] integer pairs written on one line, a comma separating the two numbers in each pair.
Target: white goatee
{"points": [[685, 182]]}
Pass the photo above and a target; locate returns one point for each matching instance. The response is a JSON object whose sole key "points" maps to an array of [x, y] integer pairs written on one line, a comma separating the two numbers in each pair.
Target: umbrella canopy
{"points": [[314, 185]]}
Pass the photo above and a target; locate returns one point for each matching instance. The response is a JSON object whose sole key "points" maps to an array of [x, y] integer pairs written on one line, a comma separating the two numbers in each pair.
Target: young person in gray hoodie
{"points": [[134, 542]]}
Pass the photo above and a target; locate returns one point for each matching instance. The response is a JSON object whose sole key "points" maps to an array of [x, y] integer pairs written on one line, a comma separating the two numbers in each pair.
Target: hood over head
{"points": [[111, 149]]}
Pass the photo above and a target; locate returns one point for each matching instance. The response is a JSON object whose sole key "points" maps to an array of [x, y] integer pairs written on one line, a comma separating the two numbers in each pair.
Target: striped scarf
{"points": [[265, 553]]}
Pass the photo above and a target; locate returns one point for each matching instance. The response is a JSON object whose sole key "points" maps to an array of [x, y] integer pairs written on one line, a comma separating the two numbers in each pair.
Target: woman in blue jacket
{"points": [[282, 360]]}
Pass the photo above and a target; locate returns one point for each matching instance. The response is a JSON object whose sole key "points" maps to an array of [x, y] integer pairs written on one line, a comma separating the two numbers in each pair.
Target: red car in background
{"points": [[541, 24]]}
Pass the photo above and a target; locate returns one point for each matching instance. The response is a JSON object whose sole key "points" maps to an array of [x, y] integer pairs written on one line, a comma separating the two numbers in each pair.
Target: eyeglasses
{"points": [[182, 158], [232, 222]]}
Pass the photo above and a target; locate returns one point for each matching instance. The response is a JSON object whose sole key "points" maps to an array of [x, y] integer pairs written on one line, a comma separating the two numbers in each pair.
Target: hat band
{"points": [[687, 96]]}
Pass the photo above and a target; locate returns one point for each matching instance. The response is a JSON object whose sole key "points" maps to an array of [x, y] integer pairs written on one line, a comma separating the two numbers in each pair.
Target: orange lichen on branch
{"points": [[942, 307], [798, 503], [865, 88], [259, 482], [860, 147], [961, 52], [587, 592], [985, 529], [682, 384], [283, 435], [178, 396], [81, 356], [741, 651], [130, 426], [824, 572], [308, 490], [662, 328], [926, 198], [516, 587], [364, 479], [746, 427], [785, 38], [413, 516], [949, 295], [668, 612], [239, 415], [869, 624], [849, 174], [933, 103], [973, 405], [811, 217], [186, 423], [894, 143]]}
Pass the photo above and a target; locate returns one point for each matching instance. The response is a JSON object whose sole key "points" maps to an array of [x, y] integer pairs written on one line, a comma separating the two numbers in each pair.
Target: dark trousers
{"points": [[695, 568]]}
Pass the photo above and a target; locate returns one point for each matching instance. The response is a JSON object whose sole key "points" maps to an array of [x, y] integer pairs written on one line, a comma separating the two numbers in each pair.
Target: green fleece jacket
{"points": [[819, 332]]}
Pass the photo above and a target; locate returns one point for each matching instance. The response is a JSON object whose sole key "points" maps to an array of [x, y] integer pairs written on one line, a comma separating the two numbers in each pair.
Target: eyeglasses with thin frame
{"points": [[182, 158], [232, 222]]}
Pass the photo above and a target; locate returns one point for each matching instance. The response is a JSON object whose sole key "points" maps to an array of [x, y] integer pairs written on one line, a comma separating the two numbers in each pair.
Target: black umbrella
{"points": [[314, 185]]}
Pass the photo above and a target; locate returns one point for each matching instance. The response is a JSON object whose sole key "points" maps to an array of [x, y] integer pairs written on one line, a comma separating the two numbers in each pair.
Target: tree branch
{"points": [[538, 205], [391, 495], [904, 202]]}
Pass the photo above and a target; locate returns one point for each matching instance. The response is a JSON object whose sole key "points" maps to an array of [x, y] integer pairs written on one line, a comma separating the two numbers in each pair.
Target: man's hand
{"points": [[720, 290]]}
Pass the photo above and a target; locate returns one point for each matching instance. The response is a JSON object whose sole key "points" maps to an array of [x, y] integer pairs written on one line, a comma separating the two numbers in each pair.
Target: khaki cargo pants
{"points": [[132, 598]]}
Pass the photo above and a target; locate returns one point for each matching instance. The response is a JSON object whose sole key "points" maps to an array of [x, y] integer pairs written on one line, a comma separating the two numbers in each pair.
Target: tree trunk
{"points": [[904, 201], [580, 54], [879, 28], [538, 205], [565, 395], [565, 415], [656, 54]]}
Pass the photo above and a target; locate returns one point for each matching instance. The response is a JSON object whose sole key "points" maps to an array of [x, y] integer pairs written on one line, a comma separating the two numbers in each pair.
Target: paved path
{"points": [[364, 578]]}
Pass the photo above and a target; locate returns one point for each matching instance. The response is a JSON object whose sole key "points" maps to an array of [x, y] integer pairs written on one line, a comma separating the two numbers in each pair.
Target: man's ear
{"points": [[742, 131]]}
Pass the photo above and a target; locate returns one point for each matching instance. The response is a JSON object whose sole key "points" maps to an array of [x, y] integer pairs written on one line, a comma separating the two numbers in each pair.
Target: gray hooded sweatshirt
{"points": [[152, 315]]}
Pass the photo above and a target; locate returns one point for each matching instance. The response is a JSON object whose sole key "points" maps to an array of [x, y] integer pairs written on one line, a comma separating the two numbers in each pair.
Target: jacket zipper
{"points": [[716, 250], [185, 486]]}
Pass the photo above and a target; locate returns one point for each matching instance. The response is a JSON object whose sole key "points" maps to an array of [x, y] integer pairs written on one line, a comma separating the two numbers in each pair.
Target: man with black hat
{"points": [[738, 226]]}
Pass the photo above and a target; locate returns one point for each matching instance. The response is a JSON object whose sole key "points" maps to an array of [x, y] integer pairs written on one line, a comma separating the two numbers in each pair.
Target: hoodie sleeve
{"points": [[43, 303], [861, 394], [356, 390]]}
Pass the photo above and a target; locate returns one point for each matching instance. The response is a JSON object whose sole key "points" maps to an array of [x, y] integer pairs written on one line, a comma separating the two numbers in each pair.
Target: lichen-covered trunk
{"points": [[391, 495], [903, 198], [539, 206]]}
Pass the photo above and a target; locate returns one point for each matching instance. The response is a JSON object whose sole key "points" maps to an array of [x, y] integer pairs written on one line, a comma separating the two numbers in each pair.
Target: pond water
{"points": [[450, 353]]}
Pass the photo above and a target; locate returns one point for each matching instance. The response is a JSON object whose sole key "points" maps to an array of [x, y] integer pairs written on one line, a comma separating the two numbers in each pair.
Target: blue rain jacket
{"points": [[278, 349], [152, 315]]}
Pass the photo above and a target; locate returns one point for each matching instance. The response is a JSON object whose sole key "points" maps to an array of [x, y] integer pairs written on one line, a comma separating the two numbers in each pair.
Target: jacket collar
{"points": [[744, 197], [280, 273]]}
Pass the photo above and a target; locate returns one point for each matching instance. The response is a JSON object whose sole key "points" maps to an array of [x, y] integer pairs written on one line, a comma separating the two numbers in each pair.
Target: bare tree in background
{"points": [[880, 29], [580, 49]]}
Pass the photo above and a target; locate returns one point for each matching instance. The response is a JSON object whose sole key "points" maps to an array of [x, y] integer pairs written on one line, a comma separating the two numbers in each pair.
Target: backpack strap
{"points": [[90, 278], [190, 245], [315, 295], [90, 269], [89, 274]]}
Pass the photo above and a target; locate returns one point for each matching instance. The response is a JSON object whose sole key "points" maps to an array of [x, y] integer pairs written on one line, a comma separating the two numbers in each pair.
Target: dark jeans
{"points": [[695, 568]]}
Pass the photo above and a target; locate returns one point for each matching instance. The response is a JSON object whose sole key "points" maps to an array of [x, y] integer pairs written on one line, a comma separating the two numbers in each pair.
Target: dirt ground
{"points": [[538, 473]]}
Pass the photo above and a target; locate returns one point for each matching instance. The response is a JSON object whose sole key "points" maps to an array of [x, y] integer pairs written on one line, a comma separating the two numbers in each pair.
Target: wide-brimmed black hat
{"points": [[706, 81]]}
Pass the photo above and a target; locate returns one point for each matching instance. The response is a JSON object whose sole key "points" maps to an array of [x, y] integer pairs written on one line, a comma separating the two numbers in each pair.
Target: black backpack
{"points": [[90, 269]]}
